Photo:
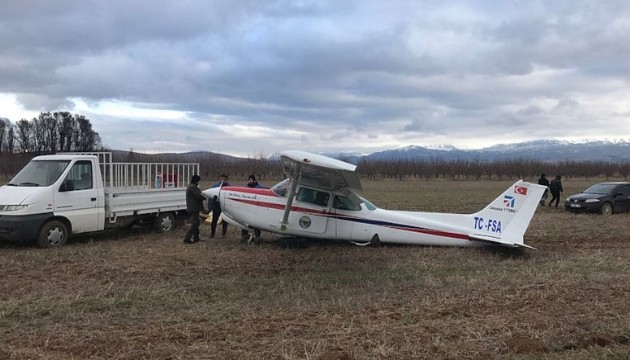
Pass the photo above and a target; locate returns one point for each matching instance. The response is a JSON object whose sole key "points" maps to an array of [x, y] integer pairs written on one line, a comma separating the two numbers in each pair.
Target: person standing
{"points": [[252, 183], [194, 205], [544, 182], [555, 187], [215, 206]]}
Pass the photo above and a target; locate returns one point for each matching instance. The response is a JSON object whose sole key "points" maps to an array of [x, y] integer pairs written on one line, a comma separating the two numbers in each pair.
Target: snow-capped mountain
{"points": [[544, 150]]}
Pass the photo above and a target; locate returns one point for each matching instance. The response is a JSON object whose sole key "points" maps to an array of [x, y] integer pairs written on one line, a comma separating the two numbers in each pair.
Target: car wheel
{"points": [[53, 233], [606, 209], [165, 222]]}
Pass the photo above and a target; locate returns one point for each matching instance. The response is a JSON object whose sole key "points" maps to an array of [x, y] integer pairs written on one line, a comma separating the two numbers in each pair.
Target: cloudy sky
{"points": [[249, 77]]}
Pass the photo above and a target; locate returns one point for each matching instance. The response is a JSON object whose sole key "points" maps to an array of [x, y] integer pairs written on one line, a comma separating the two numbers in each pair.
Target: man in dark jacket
{"points": [[194, 205], [555, 187]]}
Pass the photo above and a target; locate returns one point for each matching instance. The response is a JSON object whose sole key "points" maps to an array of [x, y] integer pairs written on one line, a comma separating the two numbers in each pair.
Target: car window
{"points": [[602, 189]]}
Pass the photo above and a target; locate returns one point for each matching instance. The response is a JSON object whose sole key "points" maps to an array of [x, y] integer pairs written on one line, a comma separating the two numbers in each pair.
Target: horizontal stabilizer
{"points": [[497, 241]]}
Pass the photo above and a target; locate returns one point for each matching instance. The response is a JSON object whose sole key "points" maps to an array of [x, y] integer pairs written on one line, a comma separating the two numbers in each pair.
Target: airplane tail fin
{"points": [[505, 220]]}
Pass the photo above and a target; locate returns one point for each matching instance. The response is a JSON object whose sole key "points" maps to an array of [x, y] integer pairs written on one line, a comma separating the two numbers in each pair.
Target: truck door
{"points": [[77, 199]]}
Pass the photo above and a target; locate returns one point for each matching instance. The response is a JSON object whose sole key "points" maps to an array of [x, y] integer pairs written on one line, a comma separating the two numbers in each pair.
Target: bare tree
{"points": [[24, 136]]}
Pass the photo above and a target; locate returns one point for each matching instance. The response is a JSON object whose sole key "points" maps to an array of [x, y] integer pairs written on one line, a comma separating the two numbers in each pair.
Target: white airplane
{"points": [[320, 199]]}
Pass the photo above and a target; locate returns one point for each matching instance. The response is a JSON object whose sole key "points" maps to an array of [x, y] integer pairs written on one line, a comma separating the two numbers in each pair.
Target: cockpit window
{"points": [[313, 196], [282, 187], [368, 204], [352, 203]]}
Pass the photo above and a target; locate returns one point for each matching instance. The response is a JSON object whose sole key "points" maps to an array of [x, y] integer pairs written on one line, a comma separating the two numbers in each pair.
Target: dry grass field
{"points": [[136, 294]]}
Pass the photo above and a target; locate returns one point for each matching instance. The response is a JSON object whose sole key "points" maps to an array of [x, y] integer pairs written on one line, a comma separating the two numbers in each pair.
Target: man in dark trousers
{"points": [[555, 187], [194, 205], [544, 182]]}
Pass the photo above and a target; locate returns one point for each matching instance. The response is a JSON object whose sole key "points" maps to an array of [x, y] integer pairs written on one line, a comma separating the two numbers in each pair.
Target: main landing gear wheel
{"points": [[375, 241], [53, 233]]}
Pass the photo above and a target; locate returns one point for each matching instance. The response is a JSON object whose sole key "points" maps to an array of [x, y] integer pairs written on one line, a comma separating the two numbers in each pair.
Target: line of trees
{"points": [[436, 168], [48, 133], [213, 165], [64, 132]]}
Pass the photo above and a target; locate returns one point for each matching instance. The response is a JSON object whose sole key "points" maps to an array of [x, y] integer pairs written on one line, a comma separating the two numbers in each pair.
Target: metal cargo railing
{"points": [[143, 176]]}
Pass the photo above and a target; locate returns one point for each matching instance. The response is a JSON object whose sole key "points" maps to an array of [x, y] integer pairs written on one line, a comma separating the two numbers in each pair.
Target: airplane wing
{"points": [[320, 171]]}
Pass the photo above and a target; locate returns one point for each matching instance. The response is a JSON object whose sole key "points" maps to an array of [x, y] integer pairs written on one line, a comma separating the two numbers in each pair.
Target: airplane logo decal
{"points": [[508, 200]]}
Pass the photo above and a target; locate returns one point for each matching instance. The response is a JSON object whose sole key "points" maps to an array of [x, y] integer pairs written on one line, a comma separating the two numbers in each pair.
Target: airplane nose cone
{"points": [[210, 193]]}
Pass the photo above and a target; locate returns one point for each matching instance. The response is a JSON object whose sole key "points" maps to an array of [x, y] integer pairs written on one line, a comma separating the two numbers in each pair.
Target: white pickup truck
{"points": [[55, 196]]}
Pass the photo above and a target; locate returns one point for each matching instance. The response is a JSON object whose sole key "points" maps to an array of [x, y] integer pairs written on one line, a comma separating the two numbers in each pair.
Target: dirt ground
{"points": [[137, 294]]}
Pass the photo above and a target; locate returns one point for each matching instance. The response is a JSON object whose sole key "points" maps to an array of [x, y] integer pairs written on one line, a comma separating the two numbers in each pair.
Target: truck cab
{"points": [[55, 196]]}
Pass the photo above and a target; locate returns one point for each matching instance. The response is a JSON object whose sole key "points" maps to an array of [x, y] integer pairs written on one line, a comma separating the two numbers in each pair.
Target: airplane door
{"points": [[77, 199], [310, 211], [346, 210]]}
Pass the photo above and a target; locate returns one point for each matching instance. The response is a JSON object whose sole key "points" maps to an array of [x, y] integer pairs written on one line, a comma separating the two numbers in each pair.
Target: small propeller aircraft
{"points": [[320, 199]]}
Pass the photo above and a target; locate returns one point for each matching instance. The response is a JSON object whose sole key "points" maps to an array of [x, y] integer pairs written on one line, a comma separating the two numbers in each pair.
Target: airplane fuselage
{"points": [[328, 218]]}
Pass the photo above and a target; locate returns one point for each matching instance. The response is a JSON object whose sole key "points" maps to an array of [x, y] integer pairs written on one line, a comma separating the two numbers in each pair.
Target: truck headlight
{"points": [[12, 207]]}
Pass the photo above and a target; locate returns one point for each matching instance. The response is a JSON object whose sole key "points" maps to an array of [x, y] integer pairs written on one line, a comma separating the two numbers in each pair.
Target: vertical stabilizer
{"points": [[505, 220]]}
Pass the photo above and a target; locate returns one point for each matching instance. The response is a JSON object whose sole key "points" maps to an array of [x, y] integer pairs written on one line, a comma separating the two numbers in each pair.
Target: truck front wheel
{"points": [[165, 222], [53, 233]]}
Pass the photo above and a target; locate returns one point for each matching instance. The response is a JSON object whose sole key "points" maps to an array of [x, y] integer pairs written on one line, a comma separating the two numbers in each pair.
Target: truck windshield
{"points": [[40, 173]]}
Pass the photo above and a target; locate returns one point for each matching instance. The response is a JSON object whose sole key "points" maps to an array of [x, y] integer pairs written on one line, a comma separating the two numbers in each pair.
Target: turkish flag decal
{"points": [[520, 190]]}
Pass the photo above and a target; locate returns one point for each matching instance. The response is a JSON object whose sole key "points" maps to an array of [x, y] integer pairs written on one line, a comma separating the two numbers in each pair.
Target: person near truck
{"points": [[194, 205]]}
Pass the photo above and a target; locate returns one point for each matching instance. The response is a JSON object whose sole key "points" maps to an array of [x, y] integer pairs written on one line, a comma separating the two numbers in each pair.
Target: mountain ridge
{"points": [[542, 150]]}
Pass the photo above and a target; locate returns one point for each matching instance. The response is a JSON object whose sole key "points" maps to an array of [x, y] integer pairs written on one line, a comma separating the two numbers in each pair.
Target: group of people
{"points": [[194, 206], [554, 187]]}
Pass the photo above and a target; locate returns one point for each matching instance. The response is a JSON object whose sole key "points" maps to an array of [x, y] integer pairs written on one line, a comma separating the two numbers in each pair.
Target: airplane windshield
{"points": [[281, 188], [368, 204], [40, 173]]}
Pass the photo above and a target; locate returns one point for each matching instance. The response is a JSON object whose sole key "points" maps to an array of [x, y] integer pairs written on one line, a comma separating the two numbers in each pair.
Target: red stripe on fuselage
{"points": [[249, 190], [434, 232]]}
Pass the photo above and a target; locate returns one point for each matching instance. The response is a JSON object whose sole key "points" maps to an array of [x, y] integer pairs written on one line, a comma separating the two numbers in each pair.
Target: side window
{"points": [[80, 176], [305, 195], [312, 196], [345, 203]]}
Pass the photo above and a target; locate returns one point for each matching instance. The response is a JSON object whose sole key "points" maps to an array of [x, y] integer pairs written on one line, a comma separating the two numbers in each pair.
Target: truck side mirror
{"points": [[67, 185]]}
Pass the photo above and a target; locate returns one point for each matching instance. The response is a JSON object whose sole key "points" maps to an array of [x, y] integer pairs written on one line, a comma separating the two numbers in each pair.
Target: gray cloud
{"points": [[250, 76]]}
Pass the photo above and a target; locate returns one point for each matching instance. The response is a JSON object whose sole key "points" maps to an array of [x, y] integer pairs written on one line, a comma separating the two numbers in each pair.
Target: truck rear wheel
{"points": [[53, 233], [165, 222]]}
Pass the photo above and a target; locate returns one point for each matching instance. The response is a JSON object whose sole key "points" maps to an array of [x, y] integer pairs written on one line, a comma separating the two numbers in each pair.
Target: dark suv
{"points": [[604, 198]]}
